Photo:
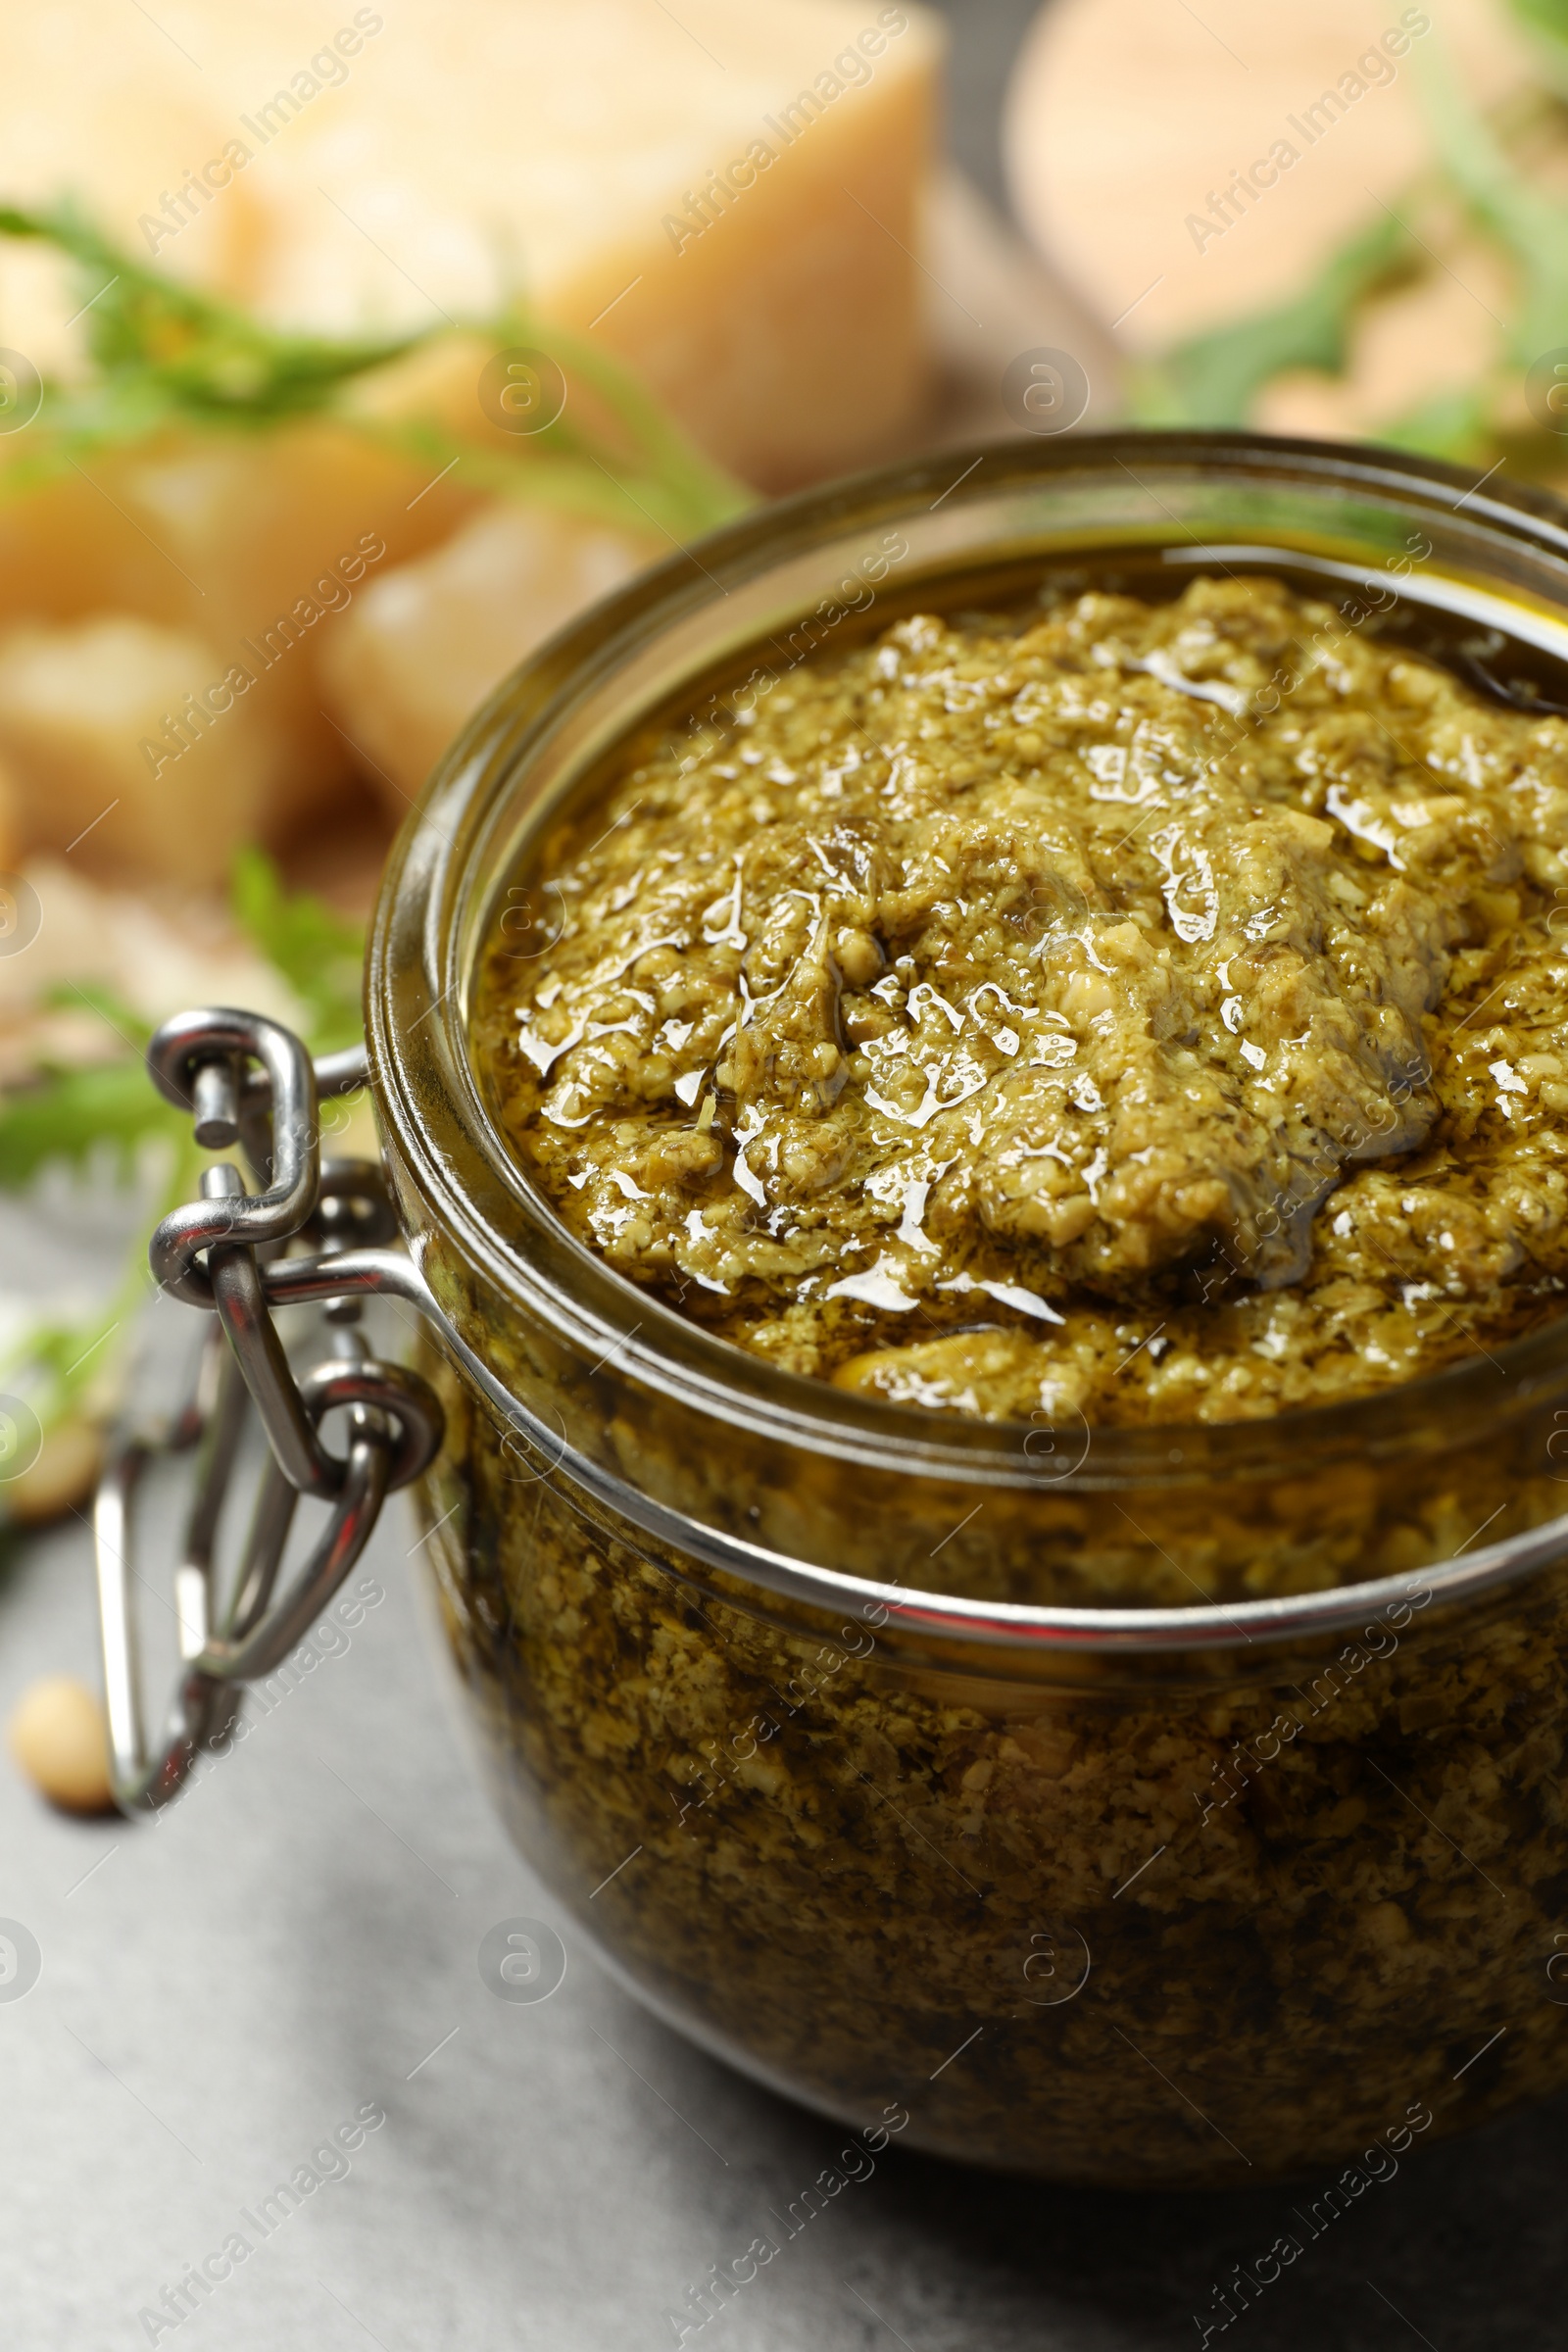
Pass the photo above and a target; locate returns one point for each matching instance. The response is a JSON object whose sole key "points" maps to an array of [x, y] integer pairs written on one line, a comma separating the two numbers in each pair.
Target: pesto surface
{"points": [[1146, 1009]]}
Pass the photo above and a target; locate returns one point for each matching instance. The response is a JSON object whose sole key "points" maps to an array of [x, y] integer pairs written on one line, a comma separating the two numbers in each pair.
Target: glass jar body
{"points": [[1205, 1931], [1135, 1907]]}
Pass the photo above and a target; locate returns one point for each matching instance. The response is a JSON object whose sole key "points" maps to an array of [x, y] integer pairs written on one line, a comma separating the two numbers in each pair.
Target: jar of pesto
{"points": [[1076, 1661]]}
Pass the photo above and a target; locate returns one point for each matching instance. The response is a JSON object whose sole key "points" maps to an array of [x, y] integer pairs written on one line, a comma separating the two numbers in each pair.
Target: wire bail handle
{"points": [[247, 1079]]}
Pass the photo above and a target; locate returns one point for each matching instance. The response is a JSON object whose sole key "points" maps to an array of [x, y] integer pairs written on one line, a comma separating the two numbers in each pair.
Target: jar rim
{"points": [[1506, 544]]}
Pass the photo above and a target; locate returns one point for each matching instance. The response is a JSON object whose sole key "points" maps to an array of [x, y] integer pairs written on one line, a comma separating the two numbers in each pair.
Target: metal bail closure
{"points": [[215, 1255]]}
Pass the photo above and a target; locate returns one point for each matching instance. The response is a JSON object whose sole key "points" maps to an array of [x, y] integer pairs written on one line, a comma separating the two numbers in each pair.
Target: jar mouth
{"points": [[1345, 512]]}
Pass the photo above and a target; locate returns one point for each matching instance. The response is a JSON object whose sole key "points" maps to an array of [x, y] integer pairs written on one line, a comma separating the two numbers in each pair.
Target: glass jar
{"points": [[1134, 1806]]}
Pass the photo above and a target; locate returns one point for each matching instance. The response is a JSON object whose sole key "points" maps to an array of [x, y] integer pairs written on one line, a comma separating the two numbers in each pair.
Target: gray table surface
{"points": [[299, 1938]]}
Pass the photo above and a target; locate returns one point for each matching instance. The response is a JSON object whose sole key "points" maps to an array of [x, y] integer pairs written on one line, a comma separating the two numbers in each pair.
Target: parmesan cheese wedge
{"points": [[722, 194]]}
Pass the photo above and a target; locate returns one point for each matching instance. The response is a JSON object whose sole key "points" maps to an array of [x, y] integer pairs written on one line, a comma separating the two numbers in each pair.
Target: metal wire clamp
{"points": [[248, 1079]]}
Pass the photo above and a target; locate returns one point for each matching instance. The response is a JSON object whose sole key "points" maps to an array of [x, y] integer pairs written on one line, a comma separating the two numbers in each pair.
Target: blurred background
{"points": [[345, 352]]}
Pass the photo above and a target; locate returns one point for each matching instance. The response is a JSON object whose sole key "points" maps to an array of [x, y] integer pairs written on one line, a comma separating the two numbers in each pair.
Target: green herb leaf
{"points": [[163, 353], [1544, 16], [167, 357], [110, 1006], [67, 1110], [1214, 378], [1533, 228], [69, 1113], [66, 1114], [320, 955], [1455, 424]]}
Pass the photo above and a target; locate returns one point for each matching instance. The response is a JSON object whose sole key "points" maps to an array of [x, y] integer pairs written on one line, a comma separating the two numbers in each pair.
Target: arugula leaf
{"points": [[67, 1113], [65, 1359], [1532, 227], [209, 351], [108, 1004], [1546, 27], [165, 356], [665, 465], [1213, 378], [68, 1109], [1548, 16], [320, 955], [1456, 423], [679, 499]]}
